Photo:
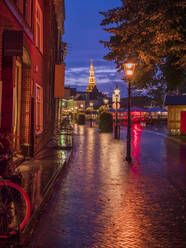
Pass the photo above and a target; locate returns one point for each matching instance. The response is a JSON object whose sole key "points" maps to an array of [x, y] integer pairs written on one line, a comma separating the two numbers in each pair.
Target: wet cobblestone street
{"points": [[101, 202]]}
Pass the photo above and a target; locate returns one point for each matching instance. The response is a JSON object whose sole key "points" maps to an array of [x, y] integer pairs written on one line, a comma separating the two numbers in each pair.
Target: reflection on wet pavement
{"points": [[38, 173], [102, 202]]}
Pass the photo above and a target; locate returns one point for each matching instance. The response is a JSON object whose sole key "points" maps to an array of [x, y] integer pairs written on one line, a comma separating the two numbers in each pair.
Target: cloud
{"points": [[106, 78], [77, 69]]}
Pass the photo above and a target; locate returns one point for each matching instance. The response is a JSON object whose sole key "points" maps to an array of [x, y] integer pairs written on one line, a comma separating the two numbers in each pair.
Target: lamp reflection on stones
{"points": [[116, 101], [91, 110]]}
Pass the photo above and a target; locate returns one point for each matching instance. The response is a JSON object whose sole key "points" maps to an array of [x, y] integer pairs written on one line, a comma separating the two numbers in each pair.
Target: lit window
{"points": [[39, 27], [39, 109]]}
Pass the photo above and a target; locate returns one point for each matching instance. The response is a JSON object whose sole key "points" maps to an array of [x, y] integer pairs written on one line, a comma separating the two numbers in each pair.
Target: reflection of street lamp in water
{"points": [[129, 71], [116, 102], [91, 108]]}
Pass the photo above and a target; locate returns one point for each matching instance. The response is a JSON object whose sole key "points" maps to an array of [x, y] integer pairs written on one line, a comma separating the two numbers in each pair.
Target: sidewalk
{"points": [[178, 139], [40, 174]]}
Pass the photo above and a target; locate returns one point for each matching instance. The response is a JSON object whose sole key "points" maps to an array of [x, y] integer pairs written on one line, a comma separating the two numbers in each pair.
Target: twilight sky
{"points": [[82, 34]]}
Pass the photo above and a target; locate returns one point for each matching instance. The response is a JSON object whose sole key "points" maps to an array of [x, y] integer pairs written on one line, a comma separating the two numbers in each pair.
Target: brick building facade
{"points": [[30, 47]]}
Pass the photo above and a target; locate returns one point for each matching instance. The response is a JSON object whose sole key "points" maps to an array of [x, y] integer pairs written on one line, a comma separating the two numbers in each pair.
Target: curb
{"points": [[176, 140]]}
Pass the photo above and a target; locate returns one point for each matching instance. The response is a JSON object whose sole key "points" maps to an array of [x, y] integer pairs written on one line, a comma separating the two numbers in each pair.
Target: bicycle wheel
{"points": [[14, 208]]}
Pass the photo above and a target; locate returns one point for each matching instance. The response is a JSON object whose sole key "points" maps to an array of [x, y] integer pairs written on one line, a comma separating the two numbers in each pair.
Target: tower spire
{"points": [[92, 83]]}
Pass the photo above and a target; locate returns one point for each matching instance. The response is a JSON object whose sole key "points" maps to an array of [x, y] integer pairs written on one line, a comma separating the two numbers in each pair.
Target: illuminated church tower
{"points": [[92, 83]]}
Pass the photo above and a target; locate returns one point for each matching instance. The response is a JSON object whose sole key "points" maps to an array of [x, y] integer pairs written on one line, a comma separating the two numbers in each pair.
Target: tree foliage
{"points": [[106, 121], [81, 118], [152, 33], [103, 108]]}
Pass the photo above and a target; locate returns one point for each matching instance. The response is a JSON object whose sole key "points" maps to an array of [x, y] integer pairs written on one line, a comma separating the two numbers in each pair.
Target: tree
{"points": [[152, 33], [81, 119], [106, 121], [157, 94], [103, 108]]}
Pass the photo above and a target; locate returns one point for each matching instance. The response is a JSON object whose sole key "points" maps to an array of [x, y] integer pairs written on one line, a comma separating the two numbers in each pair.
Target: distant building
{"points": [[137, 101], [176, 113], [67, 93], [82, 99]]}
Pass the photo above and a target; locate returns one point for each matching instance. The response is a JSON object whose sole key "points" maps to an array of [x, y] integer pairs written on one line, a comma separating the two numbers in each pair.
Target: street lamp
{"points": [[129, 72], [105, 100], [116, 101], [81, 106], [91, 107]]}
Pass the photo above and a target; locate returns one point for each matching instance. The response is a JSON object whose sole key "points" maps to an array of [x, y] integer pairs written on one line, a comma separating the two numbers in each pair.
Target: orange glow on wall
{"points": [[59, 81]]}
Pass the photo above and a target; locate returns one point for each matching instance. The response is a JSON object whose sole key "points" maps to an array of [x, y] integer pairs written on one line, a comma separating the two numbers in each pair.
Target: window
{"points": [[25, 7], [39, 109], [39, 27], [27, 11]]}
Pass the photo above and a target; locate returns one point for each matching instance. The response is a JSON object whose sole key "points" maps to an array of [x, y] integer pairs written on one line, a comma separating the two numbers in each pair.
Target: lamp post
{"points": [[91, 106], [116, 101], [129, 71]]}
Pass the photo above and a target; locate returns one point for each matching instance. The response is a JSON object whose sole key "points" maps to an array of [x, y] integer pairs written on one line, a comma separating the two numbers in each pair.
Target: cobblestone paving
{"points": [[101, 202]]}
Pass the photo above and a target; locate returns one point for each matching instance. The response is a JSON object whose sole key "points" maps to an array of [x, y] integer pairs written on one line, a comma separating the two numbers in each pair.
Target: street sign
{"points": [[114, 105]]}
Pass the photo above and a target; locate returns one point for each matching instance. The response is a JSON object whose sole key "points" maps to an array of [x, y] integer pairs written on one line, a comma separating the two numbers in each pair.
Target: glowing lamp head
{"points": [[129, 69], [129, 72], [117, 91], [91, 104], [105, 100], [129, 65]]}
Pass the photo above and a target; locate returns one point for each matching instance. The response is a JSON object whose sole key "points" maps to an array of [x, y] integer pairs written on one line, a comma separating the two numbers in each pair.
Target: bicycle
{"points": [[14, 202]]}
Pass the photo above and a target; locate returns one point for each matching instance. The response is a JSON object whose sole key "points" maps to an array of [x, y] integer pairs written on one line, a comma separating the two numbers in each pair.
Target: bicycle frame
{"points": [[6, 183]]}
